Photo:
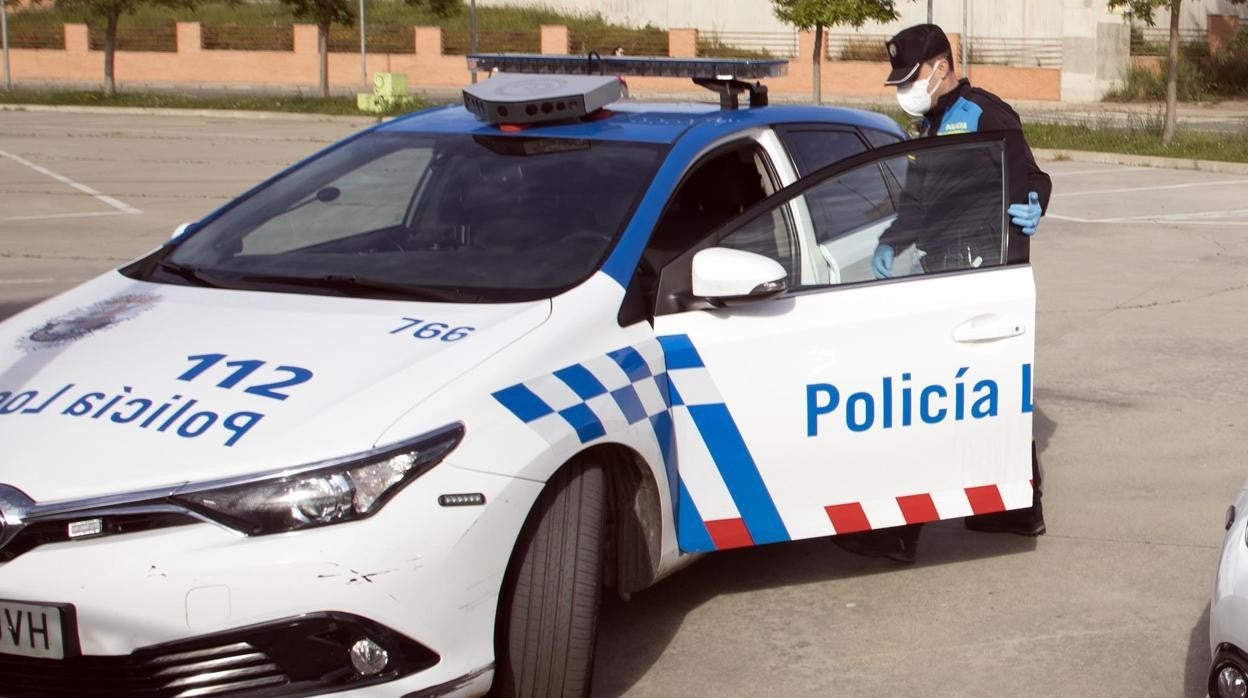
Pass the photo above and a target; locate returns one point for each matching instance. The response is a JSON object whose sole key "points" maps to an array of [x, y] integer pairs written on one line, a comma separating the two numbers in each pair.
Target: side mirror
{"points": [[177, 232], [724, 276]]}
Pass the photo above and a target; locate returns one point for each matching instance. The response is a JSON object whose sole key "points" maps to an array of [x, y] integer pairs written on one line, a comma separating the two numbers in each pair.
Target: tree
{"points": [[818, 14], [324, 13], [111, 11], [1144, 10], [441, 8]]}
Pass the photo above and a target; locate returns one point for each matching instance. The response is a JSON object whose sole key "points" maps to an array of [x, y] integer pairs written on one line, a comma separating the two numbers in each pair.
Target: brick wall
{"points": [[427, 67]]}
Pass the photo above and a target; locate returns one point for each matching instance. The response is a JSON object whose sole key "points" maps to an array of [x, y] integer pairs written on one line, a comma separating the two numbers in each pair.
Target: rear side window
{"points": [[814, 148], [856, 199], [879, 139]]}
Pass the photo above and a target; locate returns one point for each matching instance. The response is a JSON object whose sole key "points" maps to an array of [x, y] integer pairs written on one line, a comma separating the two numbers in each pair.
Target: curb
{"points": [[203, 113], [1240, 168]]}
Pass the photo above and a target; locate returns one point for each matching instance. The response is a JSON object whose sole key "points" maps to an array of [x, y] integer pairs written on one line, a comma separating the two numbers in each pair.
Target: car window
{"points": [[879, 139], [719, 187], [948, 214], [774, 236], [397, 214], [372, 197], [815, 148]]}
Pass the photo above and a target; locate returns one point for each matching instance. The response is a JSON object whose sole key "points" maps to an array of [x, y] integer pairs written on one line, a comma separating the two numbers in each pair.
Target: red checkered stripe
{"points": [[854, 517]]}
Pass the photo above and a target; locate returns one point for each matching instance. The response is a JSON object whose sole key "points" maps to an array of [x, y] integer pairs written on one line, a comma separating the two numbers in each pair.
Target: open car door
{"points": [[864, 403]]}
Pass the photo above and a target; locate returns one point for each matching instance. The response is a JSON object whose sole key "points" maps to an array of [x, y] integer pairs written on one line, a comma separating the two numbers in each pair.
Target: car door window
{"points": [[718, 188], [948, 214]]}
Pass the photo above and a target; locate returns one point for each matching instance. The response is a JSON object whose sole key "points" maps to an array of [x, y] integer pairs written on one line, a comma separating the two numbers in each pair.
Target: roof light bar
{"points": [[593, 64]]}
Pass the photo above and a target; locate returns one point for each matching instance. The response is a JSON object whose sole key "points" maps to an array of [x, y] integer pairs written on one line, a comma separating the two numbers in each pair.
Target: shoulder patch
{"points": [[962, 117]]}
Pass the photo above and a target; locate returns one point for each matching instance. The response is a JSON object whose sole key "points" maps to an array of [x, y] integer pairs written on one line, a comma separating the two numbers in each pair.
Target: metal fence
{"points": [[1026, 53], [38, 37], [1030, 53], [856, 47], [457, 42], [640, 42], [1155, 41], [246, 37], [162, 37], [377, 39], [747, 44]]}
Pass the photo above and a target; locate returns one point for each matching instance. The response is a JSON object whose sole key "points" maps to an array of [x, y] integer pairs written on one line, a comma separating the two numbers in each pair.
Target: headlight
{"points": [[345, 489]]}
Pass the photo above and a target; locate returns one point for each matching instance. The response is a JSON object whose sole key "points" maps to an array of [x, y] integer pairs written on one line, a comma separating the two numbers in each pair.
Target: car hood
{"points": [[122, 385]]}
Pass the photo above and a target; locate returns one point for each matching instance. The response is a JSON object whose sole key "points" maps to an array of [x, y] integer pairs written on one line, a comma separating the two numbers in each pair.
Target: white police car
{"points": [[388, 423]]}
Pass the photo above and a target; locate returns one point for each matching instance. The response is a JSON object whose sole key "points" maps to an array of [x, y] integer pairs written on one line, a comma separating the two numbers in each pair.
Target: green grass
{"points": [[266, 25], [275, 103], [1187, 144], [1139, 136]]}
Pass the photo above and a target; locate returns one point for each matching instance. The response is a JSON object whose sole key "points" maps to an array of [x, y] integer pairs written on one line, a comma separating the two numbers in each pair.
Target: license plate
{"points": [[31, 630]]}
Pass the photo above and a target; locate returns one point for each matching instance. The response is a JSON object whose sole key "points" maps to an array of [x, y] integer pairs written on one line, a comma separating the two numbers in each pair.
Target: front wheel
{"points": [[550, 601]]}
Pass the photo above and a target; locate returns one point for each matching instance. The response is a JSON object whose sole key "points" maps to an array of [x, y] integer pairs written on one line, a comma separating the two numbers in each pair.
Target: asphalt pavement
{"points": [[1140, 423]]}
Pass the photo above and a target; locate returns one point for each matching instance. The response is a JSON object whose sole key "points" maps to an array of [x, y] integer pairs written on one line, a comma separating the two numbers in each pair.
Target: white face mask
{"points": [[916, 98]]}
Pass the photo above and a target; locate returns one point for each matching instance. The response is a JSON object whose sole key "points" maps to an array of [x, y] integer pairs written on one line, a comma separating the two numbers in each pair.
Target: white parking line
{"points": [[1180, 219], [19, 282], [119, 205], [1164, 187], [88, 214], [1075, 173]]}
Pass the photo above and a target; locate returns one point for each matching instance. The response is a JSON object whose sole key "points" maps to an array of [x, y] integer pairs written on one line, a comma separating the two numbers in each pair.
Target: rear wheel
{"points": [[550, 603]]}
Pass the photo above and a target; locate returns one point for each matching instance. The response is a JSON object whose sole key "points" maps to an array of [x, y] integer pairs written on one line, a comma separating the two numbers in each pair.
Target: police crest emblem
{"points": [[84, 321]]}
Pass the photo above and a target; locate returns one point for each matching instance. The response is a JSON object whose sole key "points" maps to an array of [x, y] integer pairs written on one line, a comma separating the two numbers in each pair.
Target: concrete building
{"points": [[1089, 42]]}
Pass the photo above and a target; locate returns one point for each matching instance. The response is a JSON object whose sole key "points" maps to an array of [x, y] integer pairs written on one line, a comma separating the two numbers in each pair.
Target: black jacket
{"points": [[947, 198]]}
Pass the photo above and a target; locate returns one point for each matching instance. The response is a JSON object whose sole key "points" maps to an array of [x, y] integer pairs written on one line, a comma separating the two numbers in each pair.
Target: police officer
{"points": [[927, 87]]}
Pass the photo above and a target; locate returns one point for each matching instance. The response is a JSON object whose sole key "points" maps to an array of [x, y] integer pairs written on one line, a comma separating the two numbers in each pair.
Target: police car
{"points": [[388, 423]]}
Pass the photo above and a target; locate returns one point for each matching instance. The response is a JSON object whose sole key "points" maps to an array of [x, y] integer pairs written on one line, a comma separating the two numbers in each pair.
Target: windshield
{"points": [[404, 215]]}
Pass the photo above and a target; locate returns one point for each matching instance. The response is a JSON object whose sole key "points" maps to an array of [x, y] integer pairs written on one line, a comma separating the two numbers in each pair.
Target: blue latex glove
{"points": [[1026, 216], [882, 262]]}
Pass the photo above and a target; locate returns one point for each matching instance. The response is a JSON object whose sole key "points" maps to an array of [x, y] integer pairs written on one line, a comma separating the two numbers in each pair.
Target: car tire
{"points": [[550, 601]]}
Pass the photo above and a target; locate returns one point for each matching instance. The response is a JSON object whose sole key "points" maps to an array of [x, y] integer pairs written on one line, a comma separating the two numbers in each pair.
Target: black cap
{"points": [[911, 47]]}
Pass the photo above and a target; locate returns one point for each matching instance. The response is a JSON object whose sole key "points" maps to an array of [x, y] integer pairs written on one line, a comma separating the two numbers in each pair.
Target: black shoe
{"points": [[1020, 522], [898, 544]]}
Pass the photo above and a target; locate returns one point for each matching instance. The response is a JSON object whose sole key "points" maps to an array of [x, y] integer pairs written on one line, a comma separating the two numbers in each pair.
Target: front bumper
{"points": [[299, 656], [199, 601]]}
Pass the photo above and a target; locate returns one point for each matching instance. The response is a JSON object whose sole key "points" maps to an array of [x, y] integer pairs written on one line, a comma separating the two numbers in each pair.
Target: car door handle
{"points": [[986, 328]]}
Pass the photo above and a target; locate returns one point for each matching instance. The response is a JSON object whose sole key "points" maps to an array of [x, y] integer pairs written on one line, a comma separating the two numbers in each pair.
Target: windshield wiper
{"points": [[191, 274], [356, 286]]}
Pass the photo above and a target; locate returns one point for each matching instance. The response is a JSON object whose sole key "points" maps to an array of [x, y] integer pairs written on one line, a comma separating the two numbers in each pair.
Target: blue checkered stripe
{"points": [[639, 384], [629, 385]]}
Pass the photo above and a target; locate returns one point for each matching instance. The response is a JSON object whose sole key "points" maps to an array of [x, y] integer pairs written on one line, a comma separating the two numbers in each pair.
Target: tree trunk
{"points": [[816, 64], [322, 36], [1172, 76], [110, 50]]}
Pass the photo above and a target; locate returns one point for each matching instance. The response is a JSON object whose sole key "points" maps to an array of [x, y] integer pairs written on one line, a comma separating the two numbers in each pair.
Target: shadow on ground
{"points": [[11, 308], [1198, 658], [634, 634]]}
